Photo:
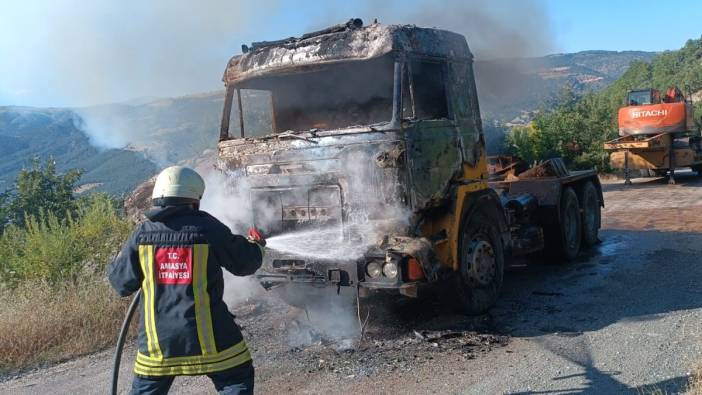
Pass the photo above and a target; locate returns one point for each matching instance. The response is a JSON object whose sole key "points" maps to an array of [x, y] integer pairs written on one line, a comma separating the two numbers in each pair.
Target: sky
{"points": [[77, 53]]}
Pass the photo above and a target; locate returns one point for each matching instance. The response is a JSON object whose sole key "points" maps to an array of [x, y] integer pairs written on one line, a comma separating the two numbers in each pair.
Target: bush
{"points": [[54, 301], [59, 251]]}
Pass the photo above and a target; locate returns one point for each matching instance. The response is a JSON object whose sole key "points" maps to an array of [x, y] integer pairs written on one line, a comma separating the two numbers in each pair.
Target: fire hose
{"points": [[120, 340]]}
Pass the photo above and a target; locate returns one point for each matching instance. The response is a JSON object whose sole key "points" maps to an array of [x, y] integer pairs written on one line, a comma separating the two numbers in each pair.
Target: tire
{"points": [[482, 261], [591, 214], [697, 169], [563, 239]]}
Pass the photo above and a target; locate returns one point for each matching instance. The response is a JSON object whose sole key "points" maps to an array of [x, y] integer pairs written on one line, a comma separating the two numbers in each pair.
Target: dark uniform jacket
{"points": [[176, 258]]}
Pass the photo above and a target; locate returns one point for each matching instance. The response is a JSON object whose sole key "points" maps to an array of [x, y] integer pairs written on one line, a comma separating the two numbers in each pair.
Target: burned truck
{"points": [[368, 139]]}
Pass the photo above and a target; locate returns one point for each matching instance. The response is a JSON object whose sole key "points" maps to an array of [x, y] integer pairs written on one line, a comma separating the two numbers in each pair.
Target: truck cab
{"points": [[362, 146]]}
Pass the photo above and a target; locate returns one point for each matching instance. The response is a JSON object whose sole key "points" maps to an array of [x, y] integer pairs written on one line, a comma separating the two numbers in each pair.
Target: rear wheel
{"points": [[591, 216], [563, 238], [482, 260]]}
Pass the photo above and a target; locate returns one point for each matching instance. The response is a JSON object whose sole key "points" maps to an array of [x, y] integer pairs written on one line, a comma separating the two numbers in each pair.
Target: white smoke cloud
{"points": [[227, 198], [94, 52], [101, 51]]}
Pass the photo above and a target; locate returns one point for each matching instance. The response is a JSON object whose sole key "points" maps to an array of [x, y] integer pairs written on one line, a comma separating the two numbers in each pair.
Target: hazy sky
{"points": [[71, 52]]}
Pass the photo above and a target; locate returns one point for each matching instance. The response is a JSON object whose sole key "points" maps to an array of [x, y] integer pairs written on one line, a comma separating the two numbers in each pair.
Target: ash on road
{"points": [[624, 318]]}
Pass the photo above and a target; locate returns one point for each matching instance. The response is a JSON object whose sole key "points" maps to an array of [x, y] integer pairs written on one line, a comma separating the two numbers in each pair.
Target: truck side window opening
{"points": [[407, 102], [429, 89]]}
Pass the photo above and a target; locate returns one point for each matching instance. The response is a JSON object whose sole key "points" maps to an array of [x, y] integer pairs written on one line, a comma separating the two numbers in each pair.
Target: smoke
{"points": [[503, 30], [494, 29], [104, 127], [103, 51], [327, 317], [239, 290], [226, 198], [75, 53]]}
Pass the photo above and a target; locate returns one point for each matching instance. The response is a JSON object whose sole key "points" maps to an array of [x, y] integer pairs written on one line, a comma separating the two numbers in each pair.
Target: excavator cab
{"points": [[643, 97]]}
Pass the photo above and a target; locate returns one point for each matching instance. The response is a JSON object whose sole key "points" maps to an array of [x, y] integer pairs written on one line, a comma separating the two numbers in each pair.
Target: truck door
{"points": [[433, 144]]}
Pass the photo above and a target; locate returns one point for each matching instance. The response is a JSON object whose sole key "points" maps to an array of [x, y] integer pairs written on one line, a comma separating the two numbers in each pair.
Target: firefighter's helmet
{"points": [[178, 185]]}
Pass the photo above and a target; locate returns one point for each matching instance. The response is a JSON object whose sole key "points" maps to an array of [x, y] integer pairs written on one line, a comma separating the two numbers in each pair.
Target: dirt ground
{"points": [[624, 318]]}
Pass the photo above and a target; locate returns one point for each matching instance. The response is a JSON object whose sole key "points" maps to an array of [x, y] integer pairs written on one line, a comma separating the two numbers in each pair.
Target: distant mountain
{"points": [[29, 132], [166, 130], [508, 87], [141, 135]]}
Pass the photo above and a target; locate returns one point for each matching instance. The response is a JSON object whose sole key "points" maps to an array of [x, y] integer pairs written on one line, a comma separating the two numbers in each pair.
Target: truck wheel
{"points": [[591, 218], [563, 239], [481, 256], [570, 226]]}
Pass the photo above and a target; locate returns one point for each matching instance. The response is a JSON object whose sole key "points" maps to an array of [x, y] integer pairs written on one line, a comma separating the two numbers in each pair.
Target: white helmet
{"points": [[178, 185]]}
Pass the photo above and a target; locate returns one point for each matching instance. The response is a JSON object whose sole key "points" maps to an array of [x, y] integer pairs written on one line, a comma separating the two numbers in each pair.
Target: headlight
{"points": [[390, 270], [373, 269]]}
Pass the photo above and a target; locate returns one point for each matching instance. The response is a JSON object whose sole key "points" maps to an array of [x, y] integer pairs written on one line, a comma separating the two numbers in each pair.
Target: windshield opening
{"points": [[331, 97], [256, 105], [643, 97]]}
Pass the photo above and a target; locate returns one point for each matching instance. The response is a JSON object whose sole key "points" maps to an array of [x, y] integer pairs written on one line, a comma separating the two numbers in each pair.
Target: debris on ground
{"points": [[394, 340]]}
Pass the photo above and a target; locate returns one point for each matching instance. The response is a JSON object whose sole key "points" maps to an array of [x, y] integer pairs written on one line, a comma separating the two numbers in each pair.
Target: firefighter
{"points": [[176, 258]]}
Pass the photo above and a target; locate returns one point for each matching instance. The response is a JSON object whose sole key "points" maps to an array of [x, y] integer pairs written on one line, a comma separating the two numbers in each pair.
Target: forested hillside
{"points": [[509, 87], [26, 133]]}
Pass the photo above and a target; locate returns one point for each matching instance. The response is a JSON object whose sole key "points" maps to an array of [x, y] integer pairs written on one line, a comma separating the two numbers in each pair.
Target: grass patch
{"points": [[42, 323], [55, 302]]}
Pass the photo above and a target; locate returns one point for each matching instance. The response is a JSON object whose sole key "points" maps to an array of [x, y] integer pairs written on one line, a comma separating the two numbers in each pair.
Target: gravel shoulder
{"points": [[624, 318]]}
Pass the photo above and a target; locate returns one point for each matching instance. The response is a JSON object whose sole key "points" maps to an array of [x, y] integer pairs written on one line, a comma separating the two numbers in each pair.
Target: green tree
{"points": [[38, 191]]}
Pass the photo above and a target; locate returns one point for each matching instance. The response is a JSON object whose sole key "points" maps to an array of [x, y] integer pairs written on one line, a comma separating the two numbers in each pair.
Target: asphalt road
{"points": [[624, 318]]}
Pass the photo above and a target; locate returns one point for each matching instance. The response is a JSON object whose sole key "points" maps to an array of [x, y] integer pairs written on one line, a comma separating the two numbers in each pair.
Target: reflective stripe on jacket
{"points": [[176, 258]]}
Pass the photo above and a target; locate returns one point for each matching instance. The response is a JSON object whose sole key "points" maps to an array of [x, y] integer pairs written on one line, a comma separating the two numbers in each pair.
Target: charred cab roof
{"points": [[342, 43]]}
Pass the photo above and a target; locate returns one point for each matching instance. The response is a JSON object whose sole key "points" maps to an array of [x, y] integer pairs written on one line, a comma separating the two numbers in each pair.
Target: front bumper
{"points": [[286, 270]]}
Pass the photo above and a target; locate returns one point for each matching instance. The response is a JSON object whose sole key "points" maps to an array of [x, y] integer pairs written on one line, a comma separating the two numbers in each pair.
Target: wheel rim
{"points": [[570, 226], [483, 265]]}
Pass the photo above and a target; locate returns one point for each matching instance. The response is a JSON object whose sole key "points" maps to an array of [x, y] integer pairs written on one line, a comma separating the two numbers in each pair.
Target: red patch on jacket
{"points": [[174, 265]]}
